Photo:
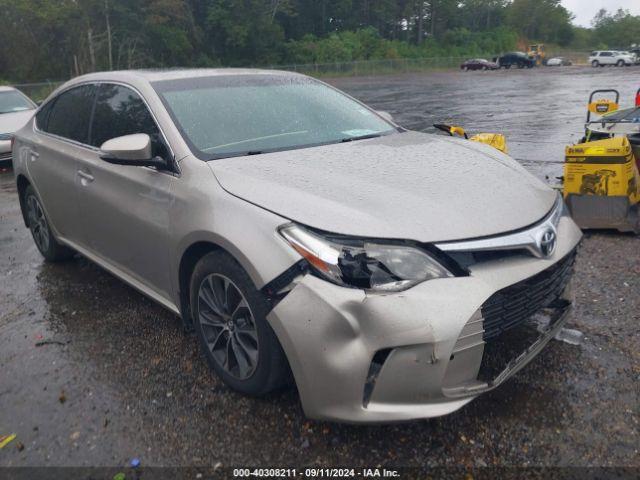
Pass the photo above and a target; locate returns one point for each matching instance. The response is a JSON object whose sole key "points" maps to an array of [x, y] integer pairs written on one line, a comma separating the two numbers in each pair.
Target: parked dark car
{"points": [[518, 59], [479, 64]]}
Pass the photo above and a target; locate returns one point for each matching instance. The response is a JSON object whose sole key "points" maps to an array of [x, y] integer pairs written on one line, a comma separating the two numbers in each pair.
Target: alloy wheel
{"points": [[38, 223], [228, 326]]}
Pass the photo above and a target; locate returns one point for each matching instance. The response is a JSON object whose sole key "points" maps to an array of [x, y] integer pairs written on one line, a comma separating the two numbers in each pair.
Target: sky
{"points": [[585, 10]]}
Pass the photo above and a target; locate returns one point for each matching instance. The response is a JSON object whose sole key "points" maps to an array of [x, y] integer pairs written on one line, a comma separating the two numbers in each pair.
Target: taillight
{"points": [[638, 98]]}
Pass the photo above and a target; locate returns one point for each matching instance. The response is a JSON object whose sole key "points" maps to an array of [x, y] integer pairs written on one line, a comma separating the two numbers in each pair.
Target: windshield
{"points": [[232, 115], [13, 101]]}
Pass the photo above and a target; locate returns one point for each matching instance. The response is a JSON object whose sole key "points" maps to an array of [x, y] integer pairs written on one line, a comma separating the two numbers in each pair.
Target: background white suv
{"points": [[610, 57]]}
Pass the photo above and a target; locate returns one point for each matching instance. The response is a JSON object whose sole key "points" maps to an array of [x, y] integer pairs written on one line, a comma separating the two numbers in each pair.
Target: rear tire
{"points": [[229, 316], [51, 250]]}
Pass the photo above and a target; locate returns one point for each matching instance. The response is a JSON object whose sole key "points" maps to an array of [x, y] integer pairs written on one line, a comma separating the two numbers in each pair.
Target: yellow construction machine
{"points": [[496, 140], [537, 53], [601, 183]]}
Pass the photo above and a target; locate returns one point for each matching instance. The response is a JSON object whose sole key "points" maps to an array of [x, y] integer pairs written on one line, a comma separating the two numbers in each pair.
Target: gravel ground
{"points": [[93, 373]]}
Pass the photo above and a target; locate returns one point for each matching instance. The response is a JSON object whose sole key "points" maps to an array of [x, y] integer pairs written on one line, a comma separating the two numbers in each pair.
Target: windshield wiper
{"points": [[361, 137]]}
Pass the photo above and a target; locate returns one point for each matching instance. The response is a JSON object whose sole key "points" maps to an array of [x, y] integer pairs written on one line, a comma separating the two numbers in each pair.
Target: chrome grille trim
{"points": [[529, 239]]}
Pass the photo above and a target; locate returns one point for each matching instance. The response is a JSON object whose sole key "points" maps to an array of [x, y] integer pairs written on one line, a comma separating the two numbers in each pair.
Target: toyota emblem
{"points": [[547, 242]]}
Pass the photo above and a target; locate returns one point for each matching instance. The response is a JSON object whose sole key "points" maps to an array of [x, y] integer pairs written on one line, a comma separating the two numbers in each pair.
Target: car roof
{"points": [[7, 89], [142, 78], [155, 75]]}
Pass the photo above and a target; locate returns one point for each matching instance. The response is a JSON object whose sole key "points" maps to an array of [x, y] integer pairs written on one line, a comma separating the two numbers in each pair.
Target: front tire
{"points": [[229, 315], [51, 250], [620, 63], [595, 64]]}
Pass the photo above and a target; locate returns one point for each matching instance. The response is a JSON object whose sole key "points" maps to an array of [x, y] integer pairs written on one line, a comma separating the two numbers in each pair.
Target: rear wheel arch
{"points": [[22, 183]]}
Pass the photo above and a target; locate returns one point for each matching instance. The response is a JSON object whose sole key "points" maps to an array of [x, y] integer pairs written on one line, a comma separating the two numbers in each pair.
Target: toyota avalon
{"points": [[304, 237]]}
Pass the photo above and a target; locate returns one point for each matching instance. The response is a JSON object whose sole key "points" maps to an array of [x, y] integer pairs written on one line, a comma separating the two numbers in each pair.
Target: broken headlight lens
{"points": [[362, 264]]}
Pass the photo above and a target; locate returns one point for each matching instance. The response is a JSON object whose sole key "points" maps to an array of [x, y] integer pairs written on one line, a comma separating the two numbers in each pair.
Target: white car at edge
{"points": [[601, 58]]}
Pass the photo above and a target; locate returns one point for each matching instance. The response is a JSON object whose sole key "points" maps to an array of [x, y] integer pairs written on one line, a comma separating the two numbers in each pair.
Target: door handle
{"points": [[86, 177]]}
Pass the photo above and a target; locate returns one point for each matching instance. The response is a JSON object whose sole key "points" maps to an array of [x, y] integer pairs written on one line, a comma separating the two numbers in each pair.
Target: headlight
{"points": [[362, 264]]}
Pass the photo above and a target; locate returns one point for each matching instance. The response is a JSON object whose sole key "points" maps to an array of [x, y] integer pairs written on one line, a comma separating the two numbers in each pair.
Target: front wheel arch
{"points": [[199, 246], [188, 261]]}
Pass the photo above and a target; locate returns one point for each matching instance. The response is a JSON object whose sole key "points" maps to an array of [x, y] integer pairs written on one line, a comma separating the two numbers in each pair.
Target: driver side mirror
{"points": [[133, 150]]}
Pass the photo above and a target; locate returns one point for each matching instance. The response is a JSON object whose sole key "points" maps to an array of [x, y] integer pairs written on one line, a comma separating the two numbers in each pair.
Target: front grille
{"points": [[513, 305], [5, 156]]}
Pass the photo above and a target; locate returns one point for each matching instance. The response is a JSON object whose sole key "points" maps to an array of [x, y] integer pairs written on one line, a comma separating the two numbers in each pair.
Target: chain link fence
{"points": [[39, 91], [401, 65], [373, 67]]}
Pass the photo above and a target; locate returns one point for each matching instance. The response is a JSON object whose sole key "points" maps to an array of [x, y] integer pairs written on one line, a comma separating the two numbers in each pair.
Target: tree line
{"points": [[56, 39]]}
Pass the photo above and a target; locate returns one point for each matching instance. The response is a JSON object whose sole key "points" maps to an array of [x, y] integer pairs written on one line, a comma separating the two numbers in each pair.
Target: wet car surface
{"points": [[93, 373]]}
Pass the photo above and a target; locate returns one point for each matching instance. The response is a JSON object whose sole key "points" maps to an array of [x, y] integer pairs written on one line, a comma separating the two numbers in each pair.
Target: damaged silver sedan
{"points": [[392, 275]]}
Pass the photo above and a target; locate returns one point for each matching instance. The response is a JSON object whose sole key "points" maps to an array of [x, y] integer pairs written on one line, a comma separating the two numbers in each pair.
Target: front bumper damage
{"points": [[361, 357]]}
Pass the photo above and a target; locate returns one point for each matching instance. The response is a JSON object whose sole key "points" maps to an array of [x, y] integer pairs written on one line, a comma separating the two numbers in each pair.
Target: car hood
{"points": [[409, 185], [14, 121]]}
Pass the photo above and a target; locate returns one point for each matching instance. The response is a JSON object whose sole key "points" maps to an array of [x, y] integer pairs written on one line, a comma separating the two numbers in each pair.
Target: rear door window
{"points": [[68, 114], [121, 111]]}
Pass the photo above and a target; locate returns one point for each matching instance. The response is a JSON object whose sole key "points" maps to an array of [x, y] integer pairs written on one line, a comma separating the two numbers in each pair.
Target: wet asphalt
{"points": [[93, 373]]}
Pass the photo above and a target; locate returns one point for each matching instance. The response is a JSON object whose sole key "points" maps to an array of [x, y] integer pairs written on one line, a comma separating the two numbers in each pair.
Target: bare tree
{"points": [[109, 38], [92, 52]]}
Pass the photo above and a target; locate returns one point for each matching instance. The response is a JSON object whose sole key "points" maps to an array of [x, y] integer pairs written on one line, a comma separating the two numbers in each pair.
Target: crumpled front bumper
{"points": [[431, 350]]}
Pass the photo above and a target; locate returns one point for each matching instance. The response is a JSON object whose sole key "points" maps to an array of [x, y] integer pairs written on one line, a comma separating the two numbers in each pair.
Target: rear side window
{"points": [[606, 54], [68, 114], [120, 111], [42, 117]]}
